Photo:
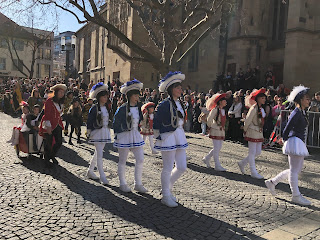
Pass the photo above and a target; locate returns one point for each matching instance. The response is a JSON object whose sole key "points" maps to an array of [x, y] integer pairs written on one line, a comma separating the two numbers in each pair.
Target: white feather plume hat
{"points": [[297, 93]]}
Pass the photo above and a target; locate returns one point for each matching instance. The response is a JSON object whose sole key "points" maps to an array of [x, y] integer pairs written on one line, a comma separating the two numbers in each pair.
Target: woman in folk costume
{"points": [[253, 130], [127, 135], [147, 124], [51, 125], [294, 146], [98, 129], [171, 140], [216, 121]]}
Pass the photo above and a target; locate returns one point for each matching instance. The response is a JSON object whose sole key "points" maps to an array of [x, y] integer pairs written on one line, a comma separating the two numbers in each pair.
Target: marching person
{"points": [[216, 121], [51, 125], [171, 140], [147, 124], [75, 119], [294, 146], [253, 130], [127, 135], [98, 129]]}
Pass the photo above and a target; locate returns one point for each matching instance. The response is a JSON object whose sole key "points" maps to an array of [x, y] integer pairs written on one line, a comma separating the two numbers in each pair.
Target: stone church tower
{"points": [[284, 36]]}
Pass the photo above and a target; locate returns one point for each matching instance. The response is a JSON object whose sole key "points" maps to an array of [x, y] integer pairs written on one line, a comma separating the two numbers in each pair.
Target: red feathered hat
{"points": [[212, 102], [146, 106], [254, 94], [24, 104]]}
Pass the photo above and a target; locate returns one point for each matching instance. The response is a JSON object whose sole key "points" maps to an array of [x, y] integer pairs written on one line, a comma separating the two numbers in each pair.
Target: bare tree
{"points": [[12, 33], [174, 26]]}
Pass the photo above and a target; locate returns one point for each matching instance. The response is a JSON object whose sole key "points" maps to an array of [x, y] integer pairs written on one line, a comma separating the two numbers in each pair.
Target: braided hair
{"points": [[107, 105], [170, 88], [129, 95], [217, 107], [259, 108]]}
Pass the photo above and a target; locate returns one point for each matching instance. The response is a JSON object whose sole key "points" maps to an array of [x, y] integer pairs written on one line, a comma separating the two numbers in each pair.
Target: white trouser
{"points": [[97, 159], [150, 140], [217, 145], [292, 174], [170, 175], [254, 151], [123, 156], [204, 128]]}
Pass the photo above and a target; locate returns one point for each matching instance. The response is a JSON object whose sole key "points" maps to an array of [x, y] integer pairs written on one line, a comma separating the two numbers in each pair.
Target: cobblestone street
{"points": [[61, 203]]}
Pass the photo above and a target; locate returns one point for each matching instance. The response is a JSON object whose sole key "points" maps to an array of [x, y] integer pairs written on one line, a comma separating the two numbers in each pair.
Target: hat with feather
{"points": [[297, 93], [99, 87], [131, 85], [169, 79]]}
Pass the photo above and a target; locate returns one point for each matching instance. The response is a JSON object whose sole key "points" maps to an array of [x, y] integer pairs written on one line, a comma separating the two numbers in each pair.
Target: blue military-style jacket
{"points": [[120, 123], [296, 126]]}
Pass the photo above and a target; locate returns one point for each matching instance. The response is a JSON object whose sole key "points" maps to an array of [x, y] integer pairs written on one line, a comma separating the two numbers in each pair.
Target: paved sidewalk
{"points": [[61, 203]]}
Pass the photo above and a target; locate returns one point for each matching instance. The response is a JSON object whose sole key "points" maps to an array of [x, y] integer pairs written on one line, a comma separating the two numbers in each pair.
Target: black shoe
{"points": [[54, 160], [79, 141], [70, 143]]}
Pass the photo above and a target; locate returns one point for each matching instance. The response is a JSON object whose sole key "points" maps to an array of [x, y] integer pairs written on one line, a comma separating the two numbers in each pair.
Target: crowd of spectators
{"points": [[36, 91]]}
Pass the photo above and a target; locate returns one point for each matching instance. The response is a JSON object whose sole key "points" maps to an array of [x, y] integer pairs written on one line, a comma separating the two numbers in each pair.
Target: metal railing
{"points": [[312, 132]]}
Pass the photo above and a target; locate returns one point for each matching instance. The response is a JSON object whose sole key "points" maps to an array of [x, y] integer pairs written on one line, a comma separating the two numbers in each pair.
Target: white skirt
{"points": [[172, 141], [128, 139], [101, 135], [295, 146]]}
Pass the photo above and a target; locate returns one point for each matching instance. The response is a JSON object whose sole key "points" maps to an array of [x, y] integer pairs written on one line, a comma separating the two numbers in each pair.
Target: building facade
{"points": [[44, 58], [261, 33], [60, 55]]}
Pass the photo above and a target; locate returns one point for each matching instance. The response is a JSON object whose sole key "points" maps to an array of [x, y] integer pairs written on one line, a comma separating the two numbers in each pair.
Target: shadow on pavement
{"points": [[144, 210], [247, 179], [71, 156]]}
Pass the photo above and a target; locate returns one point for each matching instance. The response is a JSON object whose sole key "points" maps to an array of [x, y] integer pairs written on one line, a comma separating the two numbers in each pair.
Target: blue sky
{"points": [[47, 19]]}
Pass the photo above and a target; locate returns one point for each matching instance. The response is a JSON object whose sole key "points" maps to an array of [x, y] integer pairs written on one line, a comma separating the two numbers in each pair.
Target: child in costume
{"points": [[23, 127], [294, 136], [170, 136], [127, 135], [98, 129], [253, 130], [75, 119], [51, 125], [33, 121], [147, 124], [216, 121]]}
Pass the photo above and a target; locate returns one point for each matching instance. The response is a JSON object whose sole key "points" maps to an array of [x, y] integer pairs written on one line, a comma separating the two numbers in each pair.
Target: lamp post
{"points": [[67, 48]]}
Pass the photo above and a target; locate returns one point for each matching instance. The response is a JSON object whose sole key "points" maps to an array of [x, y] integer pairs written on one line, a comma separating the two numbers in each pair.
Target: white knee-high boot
{"points": [[123, 155], [217, 148], [168, 162], [138, 154], [99, 151], [93, 163]]}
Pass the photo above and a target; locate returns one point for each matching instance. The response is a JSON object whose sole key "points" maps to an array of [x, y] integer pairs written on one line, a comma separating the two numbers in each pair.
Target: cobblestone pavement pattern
{"points": [[61, 203]]}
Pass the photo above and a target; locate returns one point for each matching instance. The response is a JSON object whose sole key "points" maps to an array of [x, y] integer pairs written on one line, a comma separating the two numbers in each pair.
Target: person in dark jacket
{"points": [[98, 129], [75, 119], [171, 140], [294, 146], [127, 135]]}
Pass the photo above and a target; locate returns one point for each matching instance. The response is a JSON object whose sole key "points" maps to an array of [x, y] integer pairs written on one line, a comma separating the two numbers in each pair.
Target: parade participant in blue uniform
{"points": [[171, 140], [294, 146], [127, 135], [98, 128]]}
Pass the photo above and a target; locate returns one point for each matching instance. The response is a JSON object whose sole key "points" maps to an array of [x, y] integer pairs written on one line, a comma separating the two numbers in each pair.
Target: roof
{"points": [[12, 29]]}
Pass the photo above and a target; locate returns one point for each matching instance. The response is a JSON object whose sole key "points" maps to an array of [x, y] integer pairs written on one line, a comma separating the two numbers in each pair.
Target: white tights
{"points": [[254, 151], [292, 174], [170, 175], [123, 156], [97, 159], [150, 140], [217, 145]]}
